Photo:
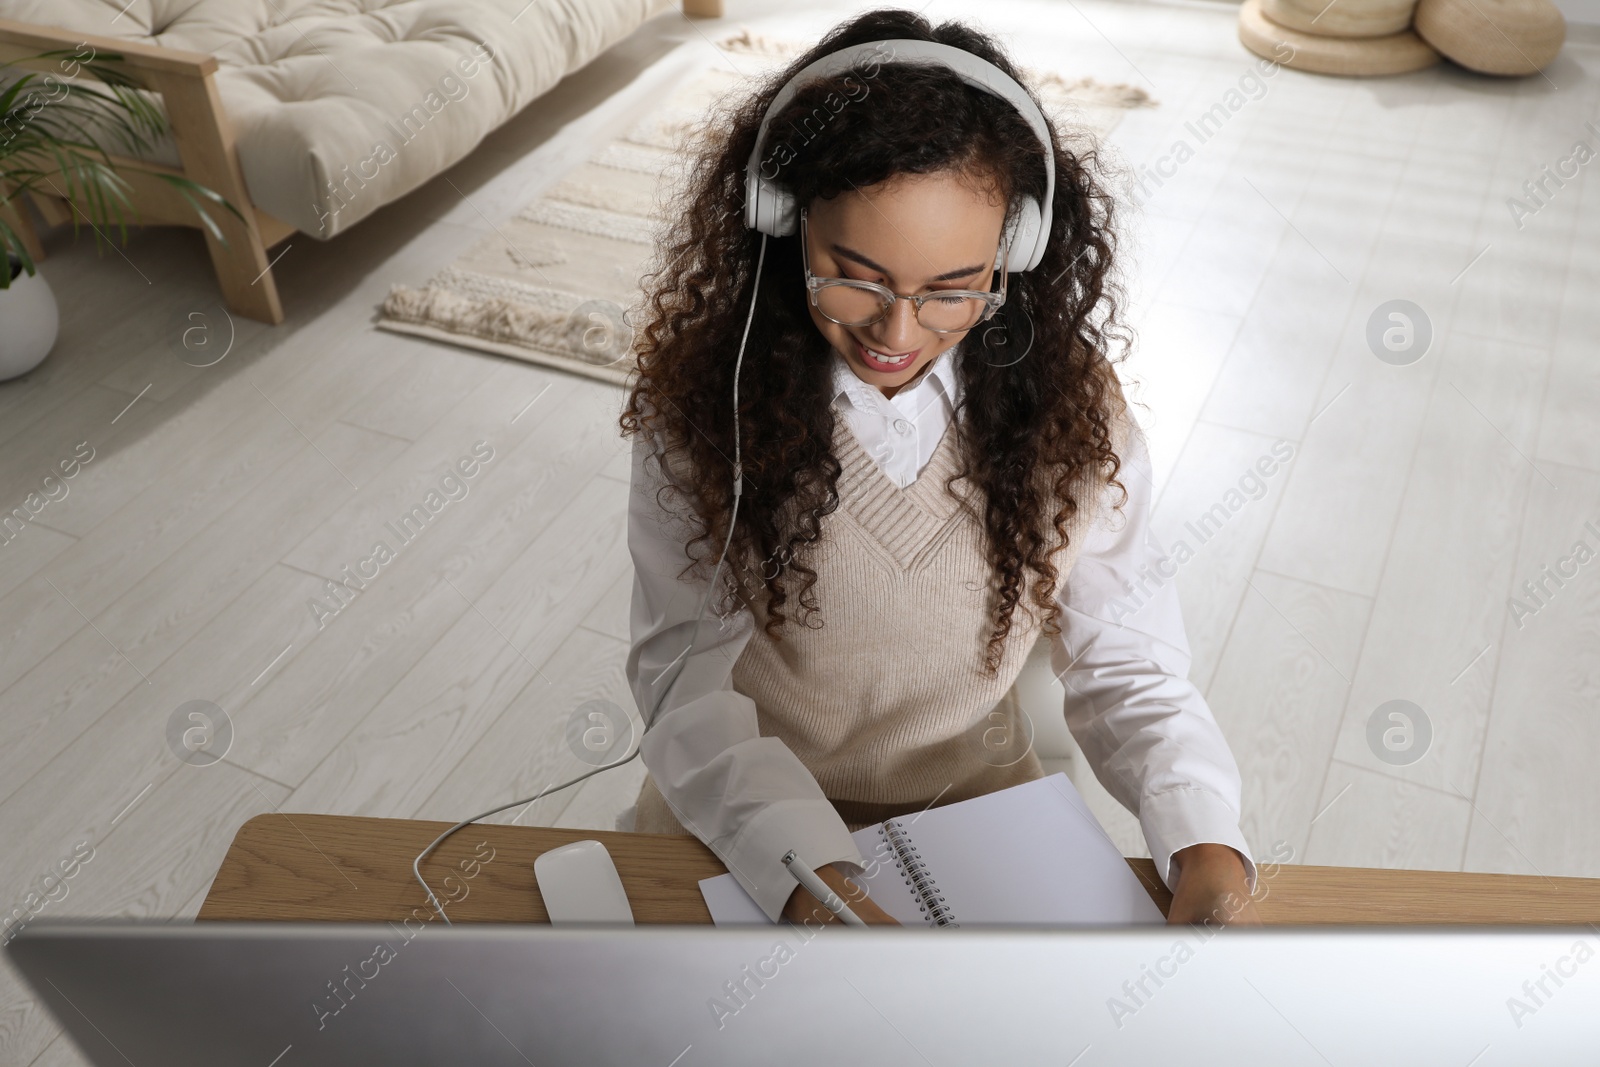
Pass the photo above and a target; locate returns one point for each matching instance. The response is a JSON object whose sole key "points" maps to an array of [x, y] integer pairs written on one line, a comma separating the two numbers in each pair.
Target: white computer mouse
{"points": [[579, 884]]}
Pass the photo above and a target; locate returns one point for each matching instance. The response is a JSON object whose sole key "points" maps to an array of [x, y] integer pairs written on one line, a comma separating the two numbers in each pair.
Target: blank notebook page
{"points": [[1033, 853]]}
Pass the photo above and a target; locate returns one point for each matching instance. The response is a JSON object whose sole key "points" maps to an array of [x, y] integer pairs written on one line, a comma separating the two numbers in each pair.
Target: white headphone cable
{"points": [[683, 657]]}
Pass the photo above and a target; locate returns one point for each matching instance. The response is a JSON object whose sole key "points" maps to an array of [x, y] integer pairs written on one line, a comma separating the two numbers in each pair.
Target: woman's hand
{"points": [[1212, 888], [802, 905]]}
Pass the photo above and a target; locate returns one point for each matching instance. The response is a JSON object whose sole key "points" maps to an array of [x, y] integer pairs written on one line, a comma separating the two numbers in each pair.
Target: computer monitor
{"points": [[155, 994]]}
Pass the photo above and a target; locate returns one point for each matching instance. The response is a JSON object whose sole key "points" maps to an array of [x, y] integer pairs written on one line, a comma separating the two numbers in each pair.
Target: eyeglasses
{"points": [[851, 302]]}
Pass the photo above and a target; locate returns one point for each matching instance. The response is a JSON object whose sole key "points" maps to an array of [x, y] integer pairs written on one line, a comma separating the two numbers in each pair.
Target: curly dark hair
{"points": [[1040, 391]]}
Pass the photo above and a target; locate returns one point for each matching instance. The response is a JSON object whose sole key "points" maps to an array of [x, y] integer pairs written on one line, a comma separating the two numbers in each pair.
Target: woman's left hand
{"points": [[1212, 888]]}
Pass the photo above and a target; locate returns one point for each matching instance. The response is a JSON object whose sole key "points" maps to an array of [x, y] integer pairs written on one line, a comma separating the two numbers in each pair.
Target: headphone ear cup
{"points": [[770, 209], [1023, 238], [785, 216]]}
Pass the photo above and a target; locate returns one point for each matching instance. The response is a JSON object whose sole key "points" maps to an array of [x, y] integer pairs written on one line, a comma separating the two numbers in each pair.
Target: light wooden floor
{"points": [[1376, 565]]}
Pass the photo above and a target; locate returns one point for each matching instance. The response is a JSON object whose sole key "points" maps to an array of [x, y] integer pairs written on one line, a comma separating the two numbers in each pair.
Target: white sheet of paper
{"points": [[730, 905], [1032, 854]]}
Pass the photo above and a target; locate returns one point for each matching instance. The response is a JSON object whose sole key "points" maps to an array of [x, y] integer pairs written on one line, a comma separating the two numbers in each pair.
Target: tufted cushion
{"points": [[341, 106]]}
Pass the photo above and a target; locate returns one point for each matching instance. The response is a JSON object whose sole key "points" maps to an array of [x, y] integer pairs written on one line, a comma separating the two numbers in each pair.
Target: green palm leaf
{"points": [[58, 136]]}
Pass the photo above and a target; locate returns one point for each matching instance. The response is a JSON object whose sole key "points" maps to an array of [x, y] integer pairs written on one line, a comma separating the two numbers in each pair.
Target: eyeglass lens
{"points": [[850, 305]]}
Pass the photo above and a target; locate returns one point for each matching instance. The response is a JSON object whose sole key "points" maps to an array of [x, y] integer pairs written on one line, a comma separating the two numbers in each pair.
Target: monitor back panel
{"points": [[298, 995]]}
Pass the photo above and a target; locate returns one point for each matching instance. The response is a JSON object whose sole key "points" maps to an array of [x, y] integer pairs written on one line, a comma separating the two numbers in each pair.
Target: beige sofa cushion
{"points": [[341, 106]]}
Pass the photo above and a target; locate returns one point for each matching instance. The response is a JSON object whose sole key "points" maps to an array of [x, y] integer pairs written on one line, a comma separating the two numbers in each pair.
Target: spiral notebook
{"points": [[1033, 854]]}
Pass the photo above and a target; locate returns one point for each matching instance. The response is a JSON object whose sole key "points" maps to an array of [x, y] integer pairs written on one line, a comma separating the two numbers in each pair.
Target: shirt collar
{"points": [[940, 376]]}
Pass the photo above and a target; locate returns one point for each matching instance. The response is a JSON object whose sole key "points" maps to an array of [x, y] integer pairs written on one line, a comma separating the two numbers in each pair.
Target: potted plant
{"points": [[58, 131]]}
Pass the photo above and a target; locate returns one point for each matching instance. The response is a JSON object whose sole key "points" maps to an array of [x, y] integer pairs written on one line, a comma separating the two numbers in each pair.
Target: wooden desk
{"points": [[346, 868]]}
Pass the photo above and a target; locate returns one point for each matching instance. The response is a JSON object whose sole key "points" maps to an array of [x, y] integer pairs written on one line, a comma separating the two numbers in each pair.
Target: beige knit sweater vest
{"points": [[887, 702]]}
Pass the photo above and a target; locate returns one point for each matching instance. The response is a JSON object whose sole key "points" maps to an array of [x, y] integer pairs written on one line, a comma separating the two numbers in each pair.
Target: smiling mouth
{"points": [[882, 361]]}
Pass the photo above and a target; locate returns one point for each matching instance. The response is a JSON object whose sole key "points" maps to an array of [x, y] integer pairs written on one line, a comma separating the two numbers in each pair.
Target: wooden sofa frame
{"points": [[206, 146]]}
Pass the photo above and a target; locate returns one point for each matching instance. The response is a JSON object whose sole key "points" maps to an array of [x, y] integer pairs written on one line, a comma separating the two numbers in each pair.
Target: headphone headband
{"points": [[770, 207]]}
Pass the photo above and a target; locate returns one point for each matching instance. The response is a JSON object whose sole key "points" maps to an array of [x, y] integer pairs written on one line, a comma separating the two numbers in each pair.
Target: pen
{"points": [[818, 888]]}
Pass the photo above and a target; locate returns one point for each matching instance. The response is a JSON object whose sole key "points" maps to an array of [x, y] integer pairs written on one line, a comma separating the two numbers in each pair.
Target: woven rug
{"points": [[555, 284]]}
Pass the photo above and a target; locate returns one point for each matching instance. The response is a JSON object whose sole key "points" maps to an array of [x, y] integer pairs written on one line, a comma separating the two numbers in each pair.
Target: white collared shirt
{"points": [[1144, 728], [902, 432]]}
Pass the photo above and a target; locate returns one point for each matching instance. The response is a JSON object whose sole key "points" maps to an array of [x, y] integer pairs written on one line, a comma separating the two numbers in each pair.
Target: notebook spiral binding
{"points": [[930, 901]]}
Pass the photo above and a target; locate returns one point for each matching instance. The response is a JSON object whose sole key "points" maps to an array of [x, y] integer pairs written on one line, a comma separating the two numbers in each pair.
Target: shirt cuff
{"points": [[1177, 818], [812, 828]]}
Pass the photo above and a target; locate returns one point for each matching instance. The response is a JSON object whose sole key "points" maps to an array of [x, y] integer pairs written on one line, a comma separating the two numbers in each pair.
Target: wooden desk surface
{"points": [[353, 869]]}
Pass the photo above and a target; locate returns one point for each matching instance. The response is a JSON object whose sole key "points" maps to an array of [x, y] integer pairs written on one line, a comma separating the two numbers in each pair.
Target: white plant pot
{"points": [[28, 324]]}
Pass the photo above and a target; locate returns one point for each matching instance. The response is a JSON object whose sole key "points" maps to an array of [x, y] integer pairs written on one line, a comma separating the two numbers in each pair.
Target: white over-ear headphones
{"points": [[770, 208]]}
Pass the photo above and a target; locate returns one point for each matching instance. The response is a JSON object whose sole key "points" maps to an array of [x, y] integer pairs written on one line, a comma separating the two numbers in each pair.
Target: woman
{"points": [[924, 479]]}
